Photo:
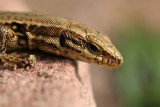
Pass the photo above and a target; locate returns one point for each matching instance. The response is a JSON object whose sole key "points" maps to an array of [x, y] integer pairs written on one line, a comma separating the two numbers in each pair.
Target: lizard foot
{"points": [[13, 61]]}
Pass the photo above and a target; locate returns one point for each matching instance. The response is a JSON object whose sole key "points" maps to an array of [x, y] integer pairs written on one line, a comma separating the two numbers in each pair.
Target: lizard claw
{"points": [[13, 61], [10, 66]]}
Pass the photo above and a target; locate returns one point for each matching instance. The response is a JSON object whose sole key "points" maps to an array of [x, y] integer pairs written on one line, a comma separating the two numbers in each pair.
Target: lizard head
{"points": [[99, 49], [88, 45]]}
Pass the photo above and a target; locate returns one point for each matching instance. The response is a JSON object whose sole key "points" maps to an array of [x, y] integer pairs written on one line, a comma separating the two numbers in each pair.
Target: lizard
{"points": [[55, 35]]}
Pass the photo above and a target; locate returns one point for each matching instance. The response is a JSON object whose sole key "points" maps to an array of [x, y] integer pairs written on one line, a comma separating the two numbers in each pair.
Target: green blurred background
{"points": [[138, 81], [134, 27]]}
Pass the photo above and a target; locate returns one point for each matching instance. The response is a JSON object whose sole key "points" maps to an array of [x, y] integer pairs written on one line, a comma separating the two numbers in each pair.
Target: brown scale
{"points": [[55, 35]]}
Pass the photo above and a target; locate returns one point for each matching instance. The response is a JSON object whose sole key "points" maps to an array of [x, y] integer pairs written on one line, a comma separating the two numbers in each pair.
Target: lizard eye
{"points": [[93, 48]]}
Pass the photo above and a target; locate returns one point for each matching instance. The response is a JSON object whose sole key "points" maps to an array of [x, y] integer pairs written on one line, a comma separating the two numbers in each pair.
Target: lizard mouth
{"points": [[109, 62], [116, 62]]}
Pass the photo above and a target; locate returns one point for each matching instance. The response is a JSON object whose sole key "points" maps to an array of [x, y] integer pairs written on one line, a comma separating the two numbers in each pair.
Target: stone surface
{"points": [[54, 82]]}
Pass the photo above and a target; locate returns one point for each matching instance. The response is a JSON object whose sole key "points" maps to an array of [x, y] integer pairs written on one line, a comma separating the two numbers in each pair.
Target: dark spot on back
{"points": [[21, 28], [62, 40]]}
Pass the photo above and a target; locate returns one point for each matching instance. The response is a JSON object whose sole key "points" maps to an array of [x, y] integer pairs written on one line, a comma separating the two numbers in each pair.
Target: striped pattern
{"points": [[60, 36]]}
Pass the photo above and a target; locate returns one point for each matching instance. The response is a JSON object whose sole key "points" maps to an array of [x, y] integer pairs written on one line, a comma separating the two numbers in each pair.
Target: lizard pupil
{"points": [[93, 48], [62, 40]]}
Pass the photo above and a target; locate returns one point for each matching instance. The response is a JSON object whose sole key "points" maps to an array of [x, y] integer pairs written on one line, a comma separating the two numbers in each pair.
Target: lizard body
{"points": [[55, 35]]}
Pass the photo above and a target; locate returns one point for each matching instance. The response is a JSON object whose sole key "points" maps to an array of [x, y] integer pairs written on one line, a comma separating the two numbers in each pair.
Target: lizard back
{"points": [[62, 37]]}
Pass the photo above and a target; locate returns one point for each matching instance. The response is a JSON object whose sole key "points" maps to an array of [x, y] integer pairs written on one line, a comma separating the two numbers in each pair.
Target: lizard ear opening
{"points": [[62, 40]]}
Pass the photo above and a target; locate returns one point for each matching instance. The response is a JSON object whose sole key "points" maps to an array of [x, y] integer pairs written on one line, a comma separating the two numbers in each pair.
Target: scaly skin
{"points": [[55, 35]]}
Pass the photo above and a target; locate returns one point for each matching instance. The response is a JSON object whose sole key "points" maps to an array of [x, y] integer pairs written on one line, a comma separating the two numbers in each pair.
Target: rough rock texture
{"points": [[54, 82]]}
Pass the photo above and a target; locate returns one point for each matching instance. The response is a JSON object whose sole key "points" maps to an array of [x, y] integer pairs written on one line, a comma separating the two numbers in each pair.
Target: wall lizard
{"points": [[60, 36]]}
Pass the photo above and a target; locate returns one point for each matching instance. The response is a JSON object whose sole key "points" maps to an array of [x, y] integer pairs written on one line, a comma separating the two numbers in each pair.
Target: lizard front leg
{"points": [[9, 40], [14, 60]]}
